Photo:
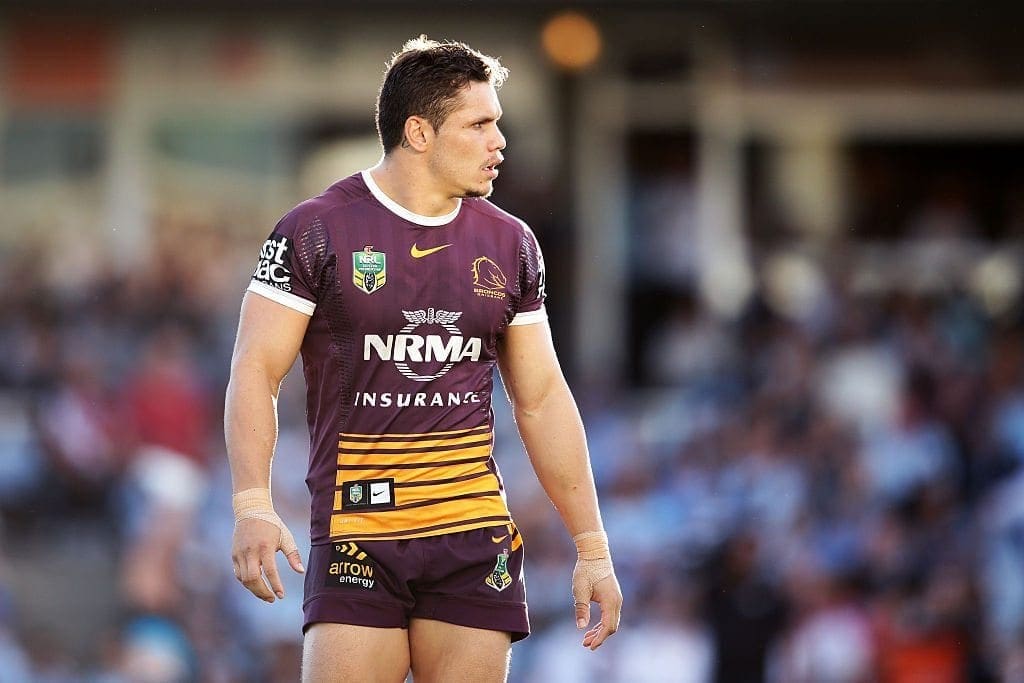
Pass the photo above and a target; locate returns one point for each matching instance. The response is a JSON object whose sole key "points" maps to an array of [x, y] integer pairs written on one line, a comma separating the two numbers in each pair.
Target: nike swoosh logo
{"points": [[420, 253], [498, 539]]}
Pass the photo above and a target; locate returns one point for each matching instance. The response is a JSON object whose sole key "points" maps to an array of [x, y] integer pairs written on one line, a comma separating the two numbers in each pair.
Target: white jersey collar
{"points": [[402, 212]]}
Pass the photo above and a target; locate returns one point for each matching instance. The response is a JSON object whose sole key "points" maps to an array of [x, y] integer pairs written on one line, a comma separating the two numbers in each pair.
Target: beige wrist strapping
{"points": [[594, 563], [256, 504]]}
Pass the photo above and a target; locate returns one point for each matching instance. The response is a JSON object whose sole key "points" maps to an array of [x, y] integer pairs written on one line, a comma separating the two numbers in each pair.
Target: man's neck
{"points": [[411, 186]]}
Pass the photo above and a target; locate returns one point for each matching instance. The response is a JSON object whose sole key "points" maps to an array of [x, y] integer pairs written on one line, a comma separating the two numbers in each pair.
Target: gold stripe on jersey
{"points": [[442, 483], [405, 446], [463, 477], [418, 494], [483, 429], [473, 511], [448, 528], [408, 477], [413, 459], [500, 520]]}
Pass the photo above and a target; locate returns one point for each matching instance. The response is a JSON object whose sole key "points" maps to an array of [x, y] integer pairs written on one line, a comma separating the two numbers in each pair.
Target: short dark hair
{"points": [[424, 79]]}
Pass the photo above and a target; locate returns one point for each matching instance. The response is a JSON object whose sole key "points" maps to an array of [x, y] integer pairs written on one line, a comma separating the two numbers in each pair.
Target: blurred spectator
{"points": [[831, 638], [921, 631], [81, 433], [671, 642], [915, 450], [155, 650], [746, 612], [15, 666], [1001, 563], [689, 347], [168, 413]]}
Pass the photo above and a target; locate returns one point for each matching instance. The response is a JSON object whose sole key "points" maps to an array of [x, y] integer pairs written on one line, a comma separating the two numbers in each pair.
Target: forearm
{"points": [[250, 425], [550, 426], [269, 338], [553, 434]]}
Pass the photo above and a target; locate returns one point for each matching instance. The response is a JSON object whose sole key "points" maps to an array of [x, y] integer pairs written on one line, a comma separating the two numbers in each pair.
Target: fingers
{"points": [[581, 595], [589, 636], [295, 561], [255, 542], [608, 595], [252, 576], [270, 569], [291, 551], [593, 638], [582, 614]]}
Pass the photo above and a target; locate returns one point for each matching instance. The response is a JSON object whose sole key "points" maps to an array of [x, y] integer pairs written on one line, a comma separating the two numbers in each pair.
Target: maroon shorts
{"points": [[471, 578]]}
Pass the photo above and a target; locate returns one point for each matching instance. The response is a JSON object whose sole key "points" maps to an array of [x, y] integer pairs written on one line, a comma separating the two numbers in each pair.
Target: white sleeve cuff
{"points": [[530, 317], [296, 303]]}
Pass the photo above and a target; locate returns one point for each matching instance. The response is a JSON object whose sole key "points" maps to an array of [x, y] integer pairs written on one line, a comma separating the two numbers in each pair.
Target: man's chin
{"points": [[485, 191]]}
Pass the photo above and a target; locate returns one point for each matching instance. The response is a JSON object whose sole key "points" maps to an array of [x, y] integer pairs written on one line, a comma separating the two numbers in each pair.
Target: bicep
{"points": [[528, 363], [269, 336]]}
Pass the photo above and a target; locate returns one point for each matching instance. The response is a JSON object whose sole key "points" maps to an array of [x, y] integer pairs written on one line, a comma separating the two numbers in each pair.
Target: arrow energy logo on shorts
{"points": [[349, 567]]}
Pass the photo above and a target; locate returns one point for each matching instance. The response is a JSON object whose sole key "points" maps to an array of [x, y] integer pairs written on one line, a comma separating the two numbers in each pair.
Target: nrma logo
{"points": [[405, 347]]}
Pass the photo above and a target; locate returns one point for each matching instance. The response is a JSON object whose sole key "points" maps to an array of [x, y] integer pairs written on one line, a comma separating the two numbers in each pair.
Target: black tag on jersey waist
{"points": [[368, 494]]}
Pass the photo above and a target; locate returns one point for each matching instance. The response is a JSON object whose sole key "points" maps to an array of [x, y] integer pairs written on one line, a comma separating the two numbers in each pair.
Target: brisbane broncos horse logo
{"points": [[488, 280]]}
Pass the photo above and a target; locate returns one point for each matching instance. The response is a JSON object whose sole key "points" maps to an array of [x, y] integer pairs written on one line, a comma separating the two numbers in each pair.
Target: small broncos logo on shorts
{"points": [[499, 578]]}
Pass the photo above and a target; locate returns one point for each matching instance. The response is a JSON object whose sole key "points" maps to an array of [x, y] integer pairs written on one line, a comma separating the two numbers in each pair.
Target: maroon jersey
{"points": [[406, 312]]}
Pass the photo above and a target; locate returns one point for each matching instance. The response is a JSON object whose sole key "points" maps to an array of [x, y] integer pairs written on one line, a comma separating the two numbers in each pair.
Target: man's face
{"points": [[467, 147]]}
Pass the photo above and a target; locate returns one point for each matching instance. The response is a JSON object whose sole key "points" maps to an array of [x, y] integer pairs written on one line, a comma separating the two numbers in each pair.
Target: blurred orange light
{"points": [[571, 40], [58, 61]]}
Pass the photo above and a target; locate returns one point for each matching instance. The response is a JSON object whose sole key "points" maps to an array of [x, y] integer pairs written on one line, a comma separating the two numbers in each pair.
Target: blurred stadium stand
{"points": [[784, 243]]}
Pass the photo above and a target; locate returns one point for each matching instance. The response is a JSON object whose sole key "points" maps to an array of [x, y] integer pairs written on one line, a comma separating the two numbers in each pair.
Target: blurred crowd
{"points": [[832, 498]]}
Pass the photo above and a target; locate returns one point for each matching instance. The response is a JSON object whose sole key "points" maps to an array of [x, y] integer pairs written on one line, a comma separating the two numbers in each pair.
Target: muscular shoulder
{"points": [[498, 217], [347, 196]]}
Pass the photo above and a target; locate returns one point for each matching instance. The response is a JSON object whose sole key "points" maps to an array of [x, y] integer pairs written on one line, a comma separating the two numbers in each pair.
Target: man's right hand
{"points": [[259, 534]]}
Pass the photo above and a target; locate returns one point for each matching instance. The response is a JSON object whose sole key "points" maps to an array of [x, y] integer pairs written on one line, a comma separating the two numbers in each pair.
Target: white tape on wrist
{"points": [[257, 504], [594, 563]]}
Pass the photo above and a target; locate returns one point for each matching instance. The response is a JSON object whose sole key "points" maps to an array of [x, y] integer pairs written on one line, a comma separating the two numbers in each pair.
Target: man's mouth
{"points": [[491, 169]]}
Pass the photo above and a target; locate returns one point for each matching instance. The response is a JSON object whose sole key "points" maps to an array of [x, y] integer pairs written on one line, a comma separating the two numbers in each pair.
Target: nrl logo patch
{"points": [[355, 493], [499, 578], [369, 269]]}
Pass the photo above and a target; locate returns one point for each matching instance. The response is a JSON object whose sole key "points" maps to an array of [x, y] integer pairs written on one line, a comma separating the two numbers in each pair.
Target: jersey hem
{"points": [[530, 317], [458, 529], [296, 303]]}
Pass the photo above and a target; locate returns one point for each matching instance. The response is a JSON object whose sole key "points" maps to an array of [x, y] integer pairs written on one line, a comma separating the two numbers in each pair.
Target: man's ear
{"points": [[418, 133]]}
